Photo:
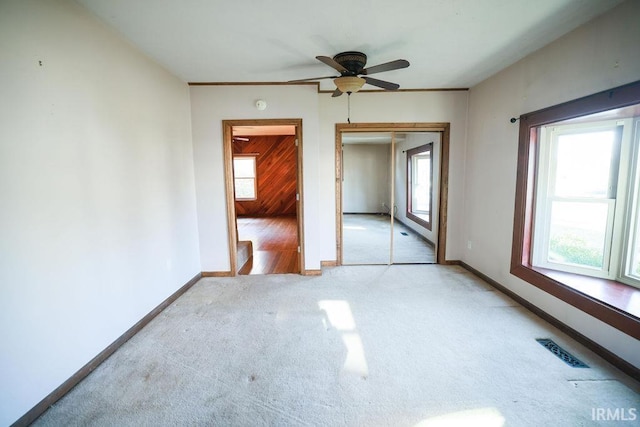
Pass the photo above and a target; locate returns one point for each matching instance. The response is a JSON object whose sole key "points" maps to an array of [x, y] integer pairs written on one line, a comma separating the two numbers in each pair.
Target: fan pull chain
{"points": [[349, 107]]}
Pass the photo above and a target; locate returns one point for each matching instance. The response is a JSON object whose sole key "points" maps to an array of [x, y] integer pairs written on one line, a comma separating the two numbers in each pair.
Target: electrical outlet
{"points": [[469, 244]]}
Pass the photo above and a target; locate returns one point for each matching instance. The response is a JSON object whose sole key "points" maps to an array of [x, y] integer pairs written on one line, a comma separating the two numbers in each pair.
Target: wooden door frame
{"points": [[227, 131], [443, 129]]}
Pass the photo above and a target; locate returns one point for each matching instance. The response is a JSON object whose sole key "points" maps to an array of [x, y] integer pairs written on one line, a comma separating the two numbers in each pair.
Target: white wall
{"points": [[366, 184], [599, 55], [414, 140], [212, 104], [319, 112], [97, 218], [399, 107]]}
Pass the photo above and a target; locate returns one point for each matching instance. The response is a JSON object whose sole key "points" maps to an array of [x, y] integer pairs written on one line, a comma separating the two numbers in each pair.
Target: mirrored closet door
{"points": [[389, 197]]}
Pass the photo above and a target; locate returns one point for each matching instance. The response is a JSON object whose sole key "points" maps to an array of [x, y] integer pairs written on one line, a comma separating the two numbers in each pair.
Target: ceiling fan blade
{"points": [[387, 66], [336, 92], [332, 63], [312, 78], [381, 83]]}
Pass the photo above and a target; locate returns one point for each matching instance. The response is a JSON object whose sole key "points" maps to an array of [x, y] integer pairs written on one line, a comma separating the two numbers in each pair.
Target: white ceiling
{"points": [[449, 43]]}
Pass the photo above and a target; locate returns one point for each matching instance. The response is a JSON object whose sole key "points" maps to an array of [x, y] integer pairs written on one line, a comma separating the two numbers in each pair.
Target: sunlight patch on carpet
{"points": [[356, 362], [339, 315], [482, 417]]}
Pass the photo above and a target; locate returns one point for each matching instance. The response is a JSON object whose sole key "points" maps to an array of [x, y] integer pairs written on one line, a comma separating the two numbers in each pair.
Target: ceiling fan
{"points": [[351, 68]]}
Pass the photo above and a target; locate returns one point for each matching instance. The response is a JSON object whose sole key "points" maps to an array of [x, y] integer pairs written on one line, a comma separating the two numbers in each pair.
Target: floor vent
{"points": [[404, 234], [563, 354]]}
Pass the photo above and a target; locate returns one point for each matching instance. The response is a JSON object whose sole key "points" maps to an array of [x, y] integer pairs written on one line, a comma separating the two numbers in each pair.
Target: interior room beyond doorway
{"points": [[266, 196], [274, 241]]}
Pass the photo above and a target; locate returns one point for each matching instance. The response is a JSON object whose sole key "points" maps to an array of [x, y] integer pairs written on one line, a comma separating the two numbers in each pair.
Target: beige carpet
{"points": [[420, 346]]}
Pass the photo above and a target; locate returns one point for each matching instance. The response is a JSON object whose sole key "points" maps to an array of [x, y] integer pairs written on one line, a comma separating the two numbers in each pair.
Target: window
{"points": [[419, 184], [577, 209], [631, 255], [582, 188], [244, 177]]}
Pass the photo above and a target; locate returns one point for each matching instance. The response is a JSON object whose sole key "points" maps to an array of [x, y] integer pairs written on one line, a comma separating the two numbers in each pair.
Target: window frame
{"points": [[606, 300], [632, 221], [614, 201], [255, 177], [411, 153]]}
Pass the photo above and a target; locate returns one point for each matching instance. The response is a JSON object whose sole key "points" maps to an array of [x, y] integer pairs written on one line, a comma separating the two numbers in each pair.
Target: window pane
{"points": [[421, 184], [583, 167], [244, 167], [577, 233], [245, 188], [633, 268], [419, 175]]}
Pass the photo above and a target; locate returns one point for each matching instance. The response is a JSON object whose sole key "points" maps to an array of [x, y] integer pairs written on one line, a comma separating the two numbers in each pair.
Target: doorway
{"points": [[391, 193], [263, 177]]}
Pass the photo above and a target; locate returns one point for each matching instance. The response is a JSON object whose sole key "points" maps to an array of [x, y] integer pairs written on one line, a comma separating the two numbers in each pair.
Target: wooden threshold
{"points": [[332, 263], [312, 273], [216, 274]]}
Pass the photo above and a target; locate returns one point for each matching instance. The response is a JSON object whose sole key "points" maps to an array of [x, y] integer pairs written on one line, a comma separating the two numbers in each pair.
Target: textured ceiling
{"points": [[449, 43]]}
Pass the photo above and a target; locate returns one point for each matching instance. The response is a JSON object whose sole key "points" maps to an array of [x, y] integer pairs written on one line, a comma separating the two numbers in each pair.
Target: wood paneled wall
{"points": [[276, 169]]}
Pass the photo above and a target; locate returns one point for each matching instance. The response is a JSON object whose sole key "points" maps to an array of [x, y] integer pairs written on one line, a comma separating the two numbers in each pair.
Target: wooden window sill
{"points": [[612, 302]]}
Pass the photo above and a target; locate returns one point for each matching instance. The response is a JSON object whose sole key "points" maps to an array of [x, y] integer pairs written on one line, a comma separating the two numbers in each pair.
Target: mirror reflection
{"points": [[389, 187]]}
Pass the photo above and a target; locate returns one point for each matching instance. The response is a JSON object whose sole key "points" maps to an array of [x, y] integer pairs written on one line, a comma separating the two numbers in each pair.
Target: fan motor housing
{"points": [[352, 61]]}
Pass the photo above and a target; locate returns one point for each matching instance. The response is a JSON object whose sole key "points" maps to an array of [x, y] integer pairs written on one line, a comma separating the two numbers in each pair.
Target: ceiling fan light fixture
{"points": [[349, 84]]}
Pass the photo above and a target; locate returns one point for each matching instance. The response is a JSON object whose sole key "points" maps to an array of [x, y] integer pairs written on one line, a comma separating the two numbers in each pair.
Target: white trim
{"points": [[545, 197], [632, 214]]}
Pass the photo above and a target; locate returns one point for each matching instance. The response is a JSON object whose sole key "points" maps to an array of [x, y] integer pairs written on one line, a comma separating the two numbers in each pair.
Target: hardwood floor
{"points": [[275, 244]]}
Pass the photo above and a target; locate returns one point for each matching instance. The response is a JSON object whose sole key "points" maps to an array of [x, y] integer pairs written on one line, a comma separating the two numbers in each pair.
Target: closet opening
{"points": [[391, 193]]}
